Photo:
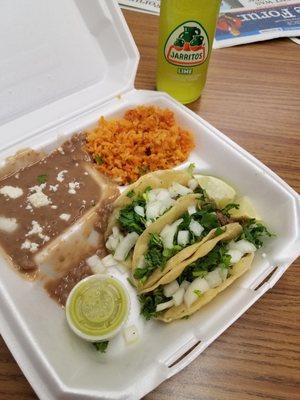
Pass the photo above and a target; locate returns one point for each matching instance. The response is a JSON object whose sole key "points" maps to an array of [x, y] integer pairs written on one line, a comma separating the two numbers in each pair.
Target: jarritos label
{"points": [[187, 45]]}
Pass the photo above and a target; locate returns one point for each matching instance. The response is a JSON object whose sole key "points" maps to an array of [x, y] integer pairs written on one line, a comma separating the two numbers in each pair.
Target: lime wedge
{"points": [[97, 307], [246, 209], [217, 189]]}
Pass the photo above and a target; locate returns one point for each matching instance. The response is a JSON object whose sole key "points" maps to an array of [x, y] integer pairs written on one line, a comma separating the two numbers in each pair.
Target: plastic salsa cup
{"points": [[97, 308]]}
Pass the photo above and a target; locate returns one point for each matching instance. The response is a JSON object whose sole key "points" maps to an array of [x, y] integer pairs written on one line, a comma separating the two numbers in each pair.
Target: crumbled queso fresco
{"points": [[60, 176], [53, 188], [73, 186], [12, 192], [37, 230], [38, 198], [65, 217], [31, 246]]}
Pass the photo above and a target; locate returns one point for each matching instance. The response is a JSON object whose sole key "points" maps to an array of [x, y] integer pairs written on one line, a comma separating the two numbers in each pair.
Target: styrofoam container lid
{"points": [[59, 58], [61, 65]]}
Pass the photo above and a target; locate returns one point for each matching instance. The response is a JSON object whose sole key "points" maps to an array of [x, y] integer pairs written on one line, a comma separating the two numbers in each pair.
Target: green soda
{"points": [[186, 34]]}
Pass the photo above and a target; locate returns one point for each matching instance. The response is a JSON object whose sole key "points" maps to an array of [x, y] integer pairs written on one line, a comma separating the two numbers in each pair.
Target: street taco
{"points": [[174, 237], [218, 261], [143, 203]]}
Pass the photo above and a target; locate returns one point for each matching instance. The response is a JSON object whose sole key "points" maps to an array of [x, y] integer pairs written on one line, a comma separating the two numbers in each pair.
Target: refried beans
{"points": [[42, 200]]}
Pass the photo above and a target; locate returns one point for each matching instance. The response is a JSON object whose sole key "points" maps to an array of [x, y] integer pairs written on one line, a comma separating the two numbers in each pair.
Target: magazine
{"points": [[243, 21]]}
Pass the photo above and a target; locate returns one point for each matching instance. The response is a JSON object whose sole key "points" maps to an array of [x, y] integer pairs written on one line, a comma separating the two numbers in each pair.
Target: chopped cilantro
{"points": [[191, 168], [202, 192], [139, 273], [254, 232], [155, 240], [225, 261], [219, 231], [206, 216], [149, 301], [42, 179], [143, 279], [130, 281], [129, 220], [101, 346], [229, 207], [99, 159], [146, 191], [199, 269], [168, 253], [130, 193], [186, 317], [155, 257], [186, 222], [209, 221], [198, 292], [200, 273]]}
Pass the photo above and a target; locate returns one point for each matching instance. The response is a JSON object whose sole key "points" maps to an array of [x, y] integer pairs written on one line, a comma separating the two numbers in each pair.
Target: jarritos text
{"points": [[187, 45]]}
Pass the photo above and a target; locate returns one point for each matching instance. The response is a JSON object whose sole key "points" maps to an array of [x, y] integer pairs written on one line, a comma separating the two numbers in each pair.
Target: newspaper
{"points": [[243, 21], [265, 19], [148, 6]]}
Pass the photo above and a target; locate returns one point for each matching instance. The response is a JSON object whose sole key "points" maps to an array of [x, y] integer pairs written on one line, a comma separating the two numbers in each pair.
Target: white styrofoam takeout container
{"points": [[63, 64]]}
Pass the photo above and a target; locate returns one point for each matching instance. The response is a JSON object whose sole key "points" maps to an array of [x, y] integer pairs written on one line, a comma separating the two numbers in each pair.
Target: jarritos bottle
{"points": [[186, 34]]}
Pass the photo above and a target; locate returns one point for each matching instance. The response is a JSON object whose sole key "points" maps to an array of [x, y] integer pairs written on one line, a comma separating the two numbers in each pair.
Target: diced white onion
{"points": [[108, 261], [163, 195], [152, 210], [165, 205], [170, 288], [199, 284], [93, 238], [116, 232], [164, 306], [183, 238], [151, 196], [114, 239], [196, 228], [189, 298], [178, 189], [112, 243], [139, 210], [168, 233], [214, 278], [244, 246], [165, 234], [141, 262], [224, 273], [178, 296], [185, 285], [193, 183], [190, 295], [95, 264], [125, 246], [131, 334], [192, 210], [236, 255]]}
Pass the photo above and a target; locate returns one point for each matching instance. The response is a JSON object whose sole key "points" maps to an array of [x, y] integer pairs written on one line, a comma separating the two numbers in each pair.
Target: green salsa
{"points": [[98, 306]]}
